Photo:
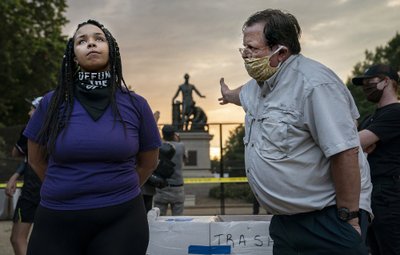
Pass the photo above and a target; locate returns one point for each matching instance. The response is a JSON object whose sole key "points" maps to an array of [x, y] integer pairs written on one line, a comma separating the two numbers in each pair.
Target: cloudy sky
{"points": [[161, 40]]}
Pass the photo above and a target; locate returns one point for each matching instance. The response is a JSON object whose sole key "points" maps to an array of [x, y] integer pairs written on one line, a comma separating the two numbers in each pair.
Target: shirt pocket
{"points": [[274, 143], [248, 120]]}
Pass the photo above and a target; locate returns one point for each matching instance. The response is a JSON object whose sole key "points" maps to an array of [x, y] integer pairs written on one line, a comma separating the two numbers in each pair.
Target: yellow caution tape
{"points": [[4, 185], [186, 181], [215, 180]]}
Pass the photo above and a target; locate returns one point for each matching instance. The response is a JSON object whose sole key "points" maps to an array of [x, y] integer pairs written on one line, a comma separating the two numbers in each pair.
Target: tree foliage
{"points": [[234, 152], [233, 159], [234, 148], [388, 54], [31, 46]]}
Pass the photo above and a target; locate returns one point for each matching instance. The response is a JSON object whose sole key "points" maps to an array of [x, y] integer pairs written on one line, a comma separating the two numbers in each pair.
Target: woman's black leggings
{"points": [[120, 229]]}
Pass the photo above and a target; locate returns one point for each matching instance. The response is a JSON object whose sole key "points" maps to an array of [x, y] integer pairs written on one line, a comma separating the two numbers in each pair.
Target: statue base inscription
{"points": [[197, 145]]}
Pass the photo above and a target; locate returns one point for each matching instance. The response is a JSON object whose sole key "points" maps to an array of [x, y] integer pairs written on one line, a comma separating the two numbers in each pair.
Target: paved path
{"points": [[5, 231]]}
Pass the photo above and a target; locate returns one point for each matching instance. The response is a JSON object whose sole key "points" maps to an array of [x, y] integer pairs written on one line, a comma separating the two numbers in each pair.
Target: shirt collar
{"points": [[271, 83]]}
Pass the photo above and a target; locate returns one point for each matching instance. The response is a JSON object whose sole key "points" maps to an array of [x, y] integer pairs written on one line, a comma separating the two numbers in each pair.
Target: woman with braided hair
{"points": [[93, 143]]}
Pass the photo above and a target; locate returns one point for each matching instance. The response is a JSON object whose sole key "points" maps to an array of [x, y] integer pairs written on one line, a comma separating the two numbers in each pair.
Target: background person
{"points": [[301, 144], [173, 194], [149, 190], [380, 138], [93, 143], [29, 199]]}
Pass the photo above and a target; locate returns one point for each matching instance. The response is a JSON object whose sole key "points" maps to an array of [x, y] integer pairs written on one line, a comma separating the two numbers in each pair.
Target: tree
{"points": [[31, 46], [233, 157], [390, 55], [234, 152]]}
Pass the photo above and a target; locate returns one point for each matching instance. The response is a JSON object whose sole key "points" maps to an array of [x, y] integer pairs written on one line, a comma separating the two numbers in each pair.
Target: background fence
{"points": [[222, 189]]}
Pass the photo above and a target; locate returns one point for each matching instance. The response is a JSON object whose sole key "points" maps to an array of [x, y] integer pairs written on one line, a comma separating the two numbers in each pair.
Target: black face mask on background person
{"points": [[372, 93]]}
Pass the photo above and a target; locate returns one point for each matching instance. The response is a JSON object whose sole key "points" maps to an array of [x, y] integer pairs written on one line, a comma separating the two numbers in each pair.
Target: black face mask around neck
{"points": [[93, 91]]}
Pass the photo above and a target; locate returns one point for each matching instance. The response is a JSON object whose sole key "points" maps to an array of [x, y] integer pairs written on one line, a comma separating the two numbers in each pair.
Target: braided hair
{"points": [[60, 107]]}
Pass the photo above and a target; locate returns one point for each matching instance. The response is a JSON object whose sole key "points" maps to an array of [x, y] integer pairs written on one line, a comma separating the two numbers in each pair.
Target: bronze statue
{"points": [[199, 119], [182, 111]]}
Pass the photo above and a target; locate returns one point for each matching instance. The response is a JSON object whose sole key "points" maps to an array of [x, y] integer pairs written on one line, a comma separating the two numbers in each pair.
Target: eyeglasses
{"points": [[250, 51]]}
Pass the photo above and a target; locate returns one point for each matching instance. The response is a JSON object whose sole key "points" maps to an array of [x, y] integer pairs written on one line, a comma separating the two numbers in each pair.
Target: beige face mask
{"points": [[259, 68]]}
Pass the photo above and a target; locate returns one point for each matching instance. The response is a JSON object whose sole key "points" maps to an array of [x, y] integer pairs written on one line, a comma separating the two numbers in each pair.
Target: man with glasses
{"points": [[302, 152], [380, 138]]}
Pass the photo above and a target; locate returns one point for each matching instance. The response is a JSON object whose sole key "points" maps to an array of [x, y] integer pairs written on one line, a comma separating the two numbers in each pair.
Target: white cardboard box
{"points": [[192, 235], [245, 234], [8, 204]]}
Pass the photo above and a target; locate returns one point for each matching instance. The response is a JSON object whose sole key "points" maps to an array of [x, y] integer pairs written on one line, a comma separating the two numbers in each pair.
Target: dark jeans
{"points": [[318, 232], [121, 229], [384, 232]]}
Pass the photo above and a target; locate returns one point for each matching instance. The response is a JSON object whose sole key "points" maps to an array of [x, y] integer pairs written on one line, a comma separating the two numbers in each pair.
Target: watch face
{"points": [[343, 213]]}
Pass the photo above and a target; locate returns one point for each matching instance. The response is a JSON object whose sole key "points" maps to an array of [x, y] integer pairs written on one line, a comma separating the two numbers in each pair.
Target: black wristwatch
{"points": [[345, 215]]}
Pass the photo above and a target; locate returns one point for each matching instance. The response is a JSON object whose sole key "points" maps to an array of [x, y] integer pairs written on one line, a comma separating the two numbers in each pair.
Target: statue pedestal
{"points": [[197, 145]]}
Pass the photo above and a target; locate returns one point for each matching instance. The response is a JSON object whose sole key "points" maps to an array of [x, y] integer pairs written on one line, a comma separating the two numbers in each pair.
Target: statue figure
{"points": [[182, 118], [199, 119]]}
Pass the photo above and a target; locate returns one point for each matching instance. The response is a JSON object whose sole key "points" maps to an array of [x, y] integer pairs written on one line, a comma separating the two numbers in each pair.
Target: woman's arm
{"points": [[37, 159], [147, 161]]}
